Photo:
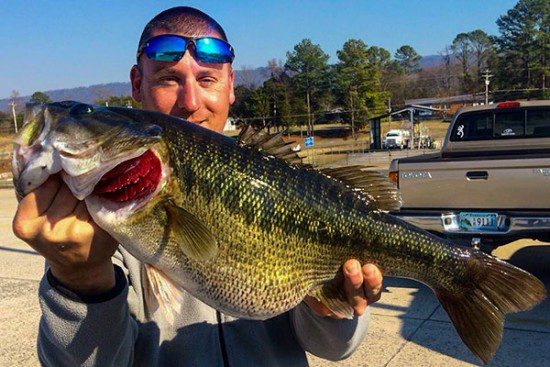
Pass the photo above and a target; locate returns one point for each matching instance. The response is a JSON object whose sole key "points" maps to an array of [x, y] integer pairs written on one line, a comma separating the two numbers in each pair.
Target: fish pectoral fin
{"points": [[332, 296], [161, 294], [195, 240]]}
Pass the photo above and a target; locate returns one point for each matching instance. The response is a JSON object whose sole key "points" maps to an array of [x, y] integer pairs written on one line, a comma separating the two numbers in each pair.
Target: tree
{"points": [[259, 106], [462, 49], [276, 68], [14, 102], [524, 44], [239, 109], [482, 48], [40, 97], [447, 70], [309, 63], [380, 57], [408, 59], [358, 80], [246, 76]]}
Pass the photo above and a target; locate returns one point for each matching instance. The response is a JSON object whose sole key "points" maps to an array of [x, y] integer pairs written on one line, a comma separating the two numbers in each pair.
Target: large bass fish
{"points": [[246, 232]]}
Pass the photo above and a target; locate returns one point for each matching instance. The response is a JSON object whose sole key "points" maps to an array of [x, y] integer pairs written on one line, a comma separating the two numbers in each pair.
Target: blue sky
{"points": [[62, 44]]}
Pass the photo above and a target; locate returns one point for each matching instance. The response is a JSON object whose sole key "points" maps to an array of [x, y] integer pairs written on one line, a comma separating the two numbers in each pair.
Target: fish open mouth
{"points": [[131, 180]]}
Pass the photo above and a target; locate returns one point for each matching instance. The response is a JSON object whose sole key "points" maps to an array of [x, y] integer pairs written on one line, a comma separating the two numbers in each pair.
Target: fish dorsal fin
{"points": [[195, 240], [269, 143], [374, 184], [382, 193]]}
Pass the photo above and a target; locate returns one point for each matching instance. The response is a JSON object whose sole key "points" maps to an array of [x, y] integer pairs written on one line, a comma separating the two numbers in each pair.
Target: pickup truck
{"points": [[490, 183]]}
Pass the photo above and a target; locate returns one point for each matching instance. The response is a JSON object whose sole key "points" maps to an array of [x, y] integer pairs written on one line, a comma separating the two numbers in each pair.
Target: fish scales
{"points": [[239, 195]]}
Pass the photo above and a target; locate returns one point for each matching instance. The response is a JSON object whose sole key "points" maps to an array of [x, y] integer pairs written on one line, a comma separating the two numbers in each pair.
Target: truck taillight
{"points": [[394, 177], [508, 104]]}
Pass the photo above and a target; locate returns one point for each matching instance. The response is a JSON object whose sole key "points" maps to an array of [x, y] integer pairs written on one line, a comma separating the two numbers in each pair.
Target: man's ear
{"points": [[231, 89], [135, 79]]}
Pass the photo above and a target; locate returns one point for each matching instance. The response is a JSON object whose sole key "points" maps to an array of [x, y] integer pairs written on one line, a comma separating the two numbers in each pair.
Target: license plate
{"points": [[479, 222]]}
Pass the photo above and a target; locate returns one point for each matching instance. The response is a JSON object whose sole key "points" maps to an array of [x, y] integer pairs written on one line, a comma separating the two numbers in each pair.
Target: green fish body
{"points": [[248, 233]]}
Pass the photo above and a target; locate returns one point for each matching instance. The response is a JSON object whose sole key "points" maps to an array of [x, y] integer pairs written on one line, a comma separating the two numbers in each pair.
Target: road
{"points": [[408, 326]]}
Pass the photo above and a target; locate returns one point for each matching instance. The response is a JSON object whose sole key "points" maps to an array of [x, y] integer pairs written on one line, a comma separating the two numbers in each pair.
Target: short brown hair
{"points": [[182, 19]]}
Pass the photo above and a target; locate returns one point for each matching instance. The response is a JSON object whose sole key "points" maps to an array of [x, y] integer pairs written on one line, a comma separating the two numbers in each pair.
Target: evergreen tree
{"points": [[482, 49], [309, 65], [358, 79], [524, 44], [40, 97], [408, 59]]}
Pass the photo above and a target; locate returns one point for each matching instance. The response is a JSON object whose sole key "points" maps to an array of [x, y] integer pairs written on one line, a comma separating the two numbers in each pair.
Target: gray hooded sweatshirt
{"points": [[115, 329]]}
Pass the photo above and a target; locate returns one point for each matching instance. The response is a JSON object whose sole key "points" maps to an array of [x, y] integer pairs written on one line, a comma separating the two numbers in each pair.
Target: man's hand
{"points": [[362, 286], [57, 225]]}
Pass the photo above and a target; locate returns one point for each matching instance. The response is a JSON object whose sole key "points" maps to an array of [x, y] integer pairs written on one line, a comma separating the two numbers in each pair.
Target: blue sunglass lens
{"points": [[166, 48], [213, 50], [172, 48]]}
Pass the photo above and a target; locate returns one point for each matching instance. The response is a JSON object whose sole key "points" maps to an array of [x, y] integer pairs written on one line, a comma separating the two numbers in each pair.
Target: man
{"points": [[93, 312]]}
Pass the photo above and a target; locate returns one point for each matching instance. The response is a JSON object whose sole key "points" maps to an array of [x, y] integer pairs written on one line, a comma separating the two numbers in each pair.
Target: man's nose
{"points": [[189, 97]]}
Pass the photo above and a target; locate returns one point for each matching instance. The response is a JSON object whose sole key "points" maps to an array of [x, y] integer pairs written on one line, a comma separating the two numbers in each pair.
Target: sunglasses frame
{"points": [[188, 40]]}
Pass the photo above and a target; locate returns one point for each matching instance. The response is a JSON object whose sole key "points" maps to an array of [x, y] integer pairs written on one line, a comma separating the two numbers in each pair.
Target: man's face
{"points": [[196, 91]]}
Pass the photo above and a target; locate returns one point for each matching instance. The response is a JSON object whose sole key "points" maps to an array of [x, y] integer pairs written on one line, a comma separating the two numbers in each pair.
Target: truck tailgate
{"points": [[476, 183]]}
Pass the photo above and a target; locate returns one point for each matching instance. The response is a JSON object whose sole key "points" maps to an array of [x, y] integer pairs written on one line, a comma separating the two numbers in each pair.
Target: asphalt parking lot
{"points": [[408, 327]]}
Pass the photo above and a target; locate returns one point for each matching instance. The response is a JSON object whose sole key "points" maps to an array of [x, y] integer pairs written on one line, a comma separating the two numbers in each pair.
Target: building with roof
{"points": [[449, 104]]}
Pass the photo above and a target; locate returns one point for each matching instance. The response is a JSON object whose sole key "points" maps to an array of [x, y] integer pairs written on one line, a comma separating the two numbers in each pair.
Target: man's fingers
{"points": [[353, 286], [63, 204], [81, 211], [39, 200], [372, 278]]}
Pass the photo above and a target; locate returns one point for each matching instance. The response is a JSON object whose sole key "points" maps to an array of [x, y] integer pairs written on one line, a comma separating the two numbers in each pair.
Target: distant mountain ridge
{"points": [[247, 76]]}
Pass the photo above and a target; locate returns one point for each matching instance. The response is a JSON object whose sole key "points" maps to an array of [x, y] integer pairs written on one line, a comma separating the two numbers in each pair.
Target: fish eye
{"points": [[81, 109]]}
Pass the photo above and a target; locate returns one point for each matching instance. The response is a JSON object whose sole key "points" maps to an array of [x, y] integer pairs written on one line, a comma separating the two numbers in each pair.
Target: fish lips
{"points": [[30, 175]]}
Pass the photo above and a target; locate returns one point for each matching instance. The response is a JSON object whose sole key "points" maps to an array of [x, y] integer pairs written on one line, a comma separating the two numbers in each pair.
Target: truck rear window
{"points": [[502, 124]]}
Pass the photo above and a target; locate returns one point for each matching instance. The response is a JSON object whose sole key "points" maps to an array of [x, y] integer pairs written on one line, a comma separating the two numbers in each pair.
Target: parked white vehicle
{"points": [[397, 139]]}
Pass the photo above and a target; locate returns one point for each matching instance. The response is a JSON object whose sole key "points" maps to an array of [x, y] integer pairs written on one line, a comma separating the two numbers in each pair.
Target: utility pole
{"points": [[309, 128], [389, 108], [12, 104], [487, 77]]}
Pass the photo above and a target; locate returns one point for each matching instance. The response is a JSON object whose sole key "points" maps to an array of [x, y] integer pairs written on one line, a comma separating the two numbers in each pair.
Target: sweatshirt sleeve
{"points": [[326, 337], [85, 332]]}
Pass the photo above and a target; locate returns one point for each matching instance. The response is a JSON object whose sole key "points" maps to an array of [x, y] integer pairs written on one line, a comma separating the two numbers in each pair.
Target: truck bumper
{"points": [[515, 224]]}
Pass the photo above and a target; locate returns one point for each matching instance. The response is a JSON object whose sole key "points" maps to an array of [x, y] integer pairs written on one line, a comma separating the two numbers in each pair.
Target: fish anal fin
{"points": [[195, 240], [162, 295], [332, 296], [478, 312]]}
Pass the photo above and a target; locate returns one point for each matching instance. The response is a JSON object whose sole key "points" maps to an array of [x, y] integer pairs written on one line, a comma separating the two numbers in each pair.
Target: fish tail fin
{"points": [[495, 288]]}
